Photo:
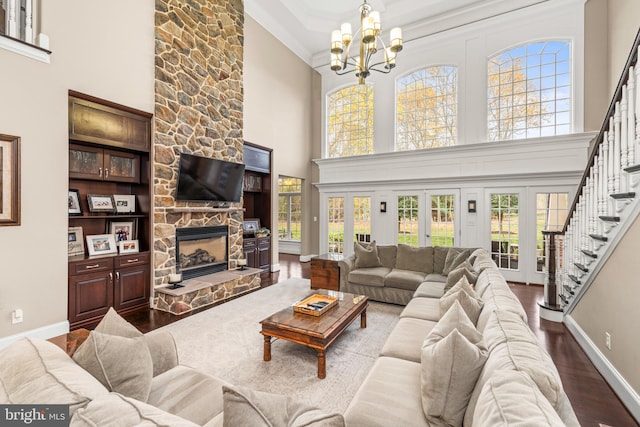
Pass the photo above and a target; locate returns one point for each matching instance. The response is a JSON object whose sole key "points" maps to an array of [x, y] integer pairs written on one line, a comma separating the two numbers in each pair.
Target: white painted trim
{"points": [[44, 333], [307, 258], [275, 267], [289, 247], [25, 49], [551, 315], [620, 386]]}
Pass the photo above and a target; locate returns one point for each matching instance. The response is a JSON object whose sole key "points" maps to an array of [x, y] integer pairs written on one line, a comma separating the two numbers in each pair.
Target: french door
{"points": [[442, 220], [507, 233]]}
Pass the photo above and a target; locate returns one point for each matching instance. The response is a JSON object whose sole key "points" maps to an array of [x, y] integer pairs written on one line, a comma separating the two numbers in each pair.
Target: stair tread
{"points": [[581, 267], [610, 218], [629, 195], [599, 237], [589, 253], [631, 169], [574, 279], [568, 289]]}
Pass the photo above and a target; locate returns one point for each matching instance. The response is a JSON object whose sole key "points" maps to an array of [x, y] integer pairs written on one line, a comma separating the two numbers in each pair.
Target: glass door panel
{"points": [[442, 219], [336, 225], [362, 219], [408, 222], [505, 232]]}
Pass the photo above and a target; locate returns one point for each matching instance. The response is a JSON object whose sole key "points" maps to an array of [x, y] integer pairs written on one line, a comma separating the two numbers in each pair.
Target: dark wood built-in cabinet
{"points": [[109, 154], [257, 204]]}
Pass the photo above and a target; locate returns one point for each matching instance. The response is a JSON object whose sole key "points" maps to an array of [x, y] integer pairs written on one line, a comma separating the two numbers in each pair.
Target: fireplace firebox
{"points": [[201, 250]]}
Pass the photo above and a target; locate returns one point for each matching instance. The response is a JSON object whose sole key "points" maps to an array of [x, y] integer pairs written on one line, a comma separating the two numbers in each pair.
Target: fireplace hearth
{"points": [[202, 250]]}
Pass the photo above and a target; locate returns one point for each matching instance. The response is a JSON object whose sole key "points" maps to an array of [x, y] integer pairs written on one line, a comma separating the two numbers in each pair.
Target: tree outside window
{"points": [[350, 121], [290, 209]]}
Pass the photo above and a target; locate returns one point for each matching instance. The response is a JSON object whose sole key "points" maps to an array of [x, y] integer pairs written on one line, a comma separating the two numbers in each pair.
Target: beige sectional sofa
{"points": [[490, 371]]}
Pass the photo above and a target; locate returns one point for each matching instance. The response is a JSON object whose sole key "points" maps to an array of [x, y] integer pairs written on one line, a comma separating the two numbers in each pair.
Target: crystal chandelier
{"points": [[369, 31]]}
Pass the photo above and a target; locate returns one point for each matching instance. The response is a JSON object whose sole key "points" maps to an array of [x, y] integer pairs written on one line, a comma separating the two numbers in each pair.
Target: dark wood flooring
{"points": [[592, 399]]}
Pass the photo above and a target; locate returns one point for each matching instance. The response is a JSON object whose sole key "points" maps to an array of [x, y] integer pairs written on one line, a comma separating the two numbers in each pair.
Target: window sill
{"points": [[25, 49]]}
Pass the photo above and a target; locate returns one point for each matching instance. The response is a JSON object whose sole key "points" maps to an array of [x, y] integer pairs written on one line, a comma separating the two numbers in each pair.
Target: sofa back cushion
{"points": [[415, 259], [439, 258], [37, 371], [366, 256], [454, 258], [387, 255]]}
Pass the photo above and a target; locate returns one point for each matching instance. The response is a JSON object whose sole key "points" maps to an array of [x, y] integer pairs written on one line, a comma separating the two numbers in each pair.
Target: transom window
{"points": [[426, 108], [529, 91], [350, 121]]}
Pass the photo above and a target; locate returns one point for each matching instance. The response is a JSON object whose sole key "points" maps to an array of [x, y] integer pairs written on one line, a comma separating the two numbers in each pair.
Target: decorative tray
{"points": [[315, 305]]}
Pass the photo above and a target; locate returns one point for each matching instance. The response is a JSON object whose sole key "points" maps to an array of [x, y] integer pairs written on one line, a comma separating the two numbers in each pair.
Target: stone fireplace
{"points": [[202, 250]]}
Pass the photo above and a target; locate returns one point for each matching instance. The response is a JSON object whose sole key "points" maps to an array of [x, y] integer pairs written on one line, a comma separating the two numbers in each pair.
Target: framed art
{"points": [[122, 230], [125, 203], [101, 203], [76, 241], [9, 180], [250, 225], [101, 244], [128, 246], [74, 202]]}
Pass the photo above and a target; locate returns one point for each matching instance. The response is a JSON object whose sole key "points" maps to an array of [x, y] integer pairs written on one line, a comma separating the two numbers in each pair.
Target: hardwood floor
{"points": [[593, 401]]}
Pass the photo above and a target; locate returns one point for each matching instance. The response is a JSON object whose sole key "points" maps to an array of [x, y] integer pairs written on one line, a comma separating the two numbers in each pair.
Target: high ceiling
{"points": [[305, 25]]}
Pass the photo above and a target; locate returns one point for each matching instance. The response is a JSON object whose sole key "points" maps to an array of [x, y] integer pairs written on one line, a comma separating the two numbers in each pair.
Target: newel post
{"points": [[549, 308]]}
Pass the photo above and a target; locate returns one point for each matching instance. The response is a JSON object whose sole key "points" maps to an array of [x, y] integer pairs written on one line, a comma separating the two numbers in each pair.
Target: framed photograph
{"points": [[122, 230], [125, 203], [251, 225], [74, 202], [101, 203], [128, 246], [76, 241], [102, 244], [9, 180]]}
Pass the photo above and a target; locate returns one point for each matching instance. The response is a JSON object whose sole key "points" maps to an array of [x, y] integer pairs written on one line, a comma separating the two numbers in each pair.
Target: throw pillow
{"points": [[415, 259], [461, 285], [246, 407], [366, 256], [464, 270], [121, 364], [113, 324], [468, 299], [454, 318], [455, 257], [450, 369]]}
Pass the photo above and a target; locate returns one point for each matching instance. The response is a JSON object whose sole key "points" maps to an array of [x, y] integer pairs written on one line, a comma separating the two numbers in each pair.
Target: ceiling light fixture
{"points": [[363, 64]]}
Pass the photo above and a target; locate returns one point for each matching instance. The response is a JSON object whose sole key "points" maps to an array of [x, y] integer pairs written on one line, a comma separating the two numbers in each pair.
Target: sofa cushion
{"points": [[455, 257], [467, 297], [422, 308], [510, 398], [366, 256], [504, 326], [387, 255], [187, 393], [113, 324], [369, 276], [450, 368], [415, 259], [406, 339], [121, 364], [115, 410], [404, 279], [439, 258], [456, 274], [435, 277], [246, 407], [482, 262], [389, 396], [430, 289], [498, 297], [46, 374], [456, 318]]}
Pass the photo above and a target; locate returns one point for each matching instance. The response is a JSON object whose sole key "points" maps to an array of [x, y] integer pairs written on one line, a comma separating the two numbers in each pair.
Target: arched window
{"points": [[529, 91], [350, 121], [427, 108]]}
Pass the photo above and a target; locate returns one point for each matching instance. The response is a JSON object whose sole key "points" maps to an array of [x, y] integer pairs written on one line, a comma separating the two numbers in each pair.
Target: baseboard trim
{"points": [[44, 333], [620, 386], [275, 267]]}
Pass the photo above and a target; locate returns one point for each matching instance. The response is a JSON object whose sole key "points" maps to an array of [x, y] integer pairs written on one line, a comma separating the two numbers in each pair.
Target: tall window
{"points": [[408, 220], [289, 208], [530, 91], [442, 225], [426, 108], [362, 219], [505, 236], [336, 225], [350, 121], [551, 212]]}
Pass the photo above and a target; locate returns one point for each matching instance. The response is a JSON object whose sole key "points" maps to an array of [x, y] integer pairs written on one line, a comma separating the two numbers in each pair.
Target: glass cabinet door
{"points": [[121, 166], [85, 162]]}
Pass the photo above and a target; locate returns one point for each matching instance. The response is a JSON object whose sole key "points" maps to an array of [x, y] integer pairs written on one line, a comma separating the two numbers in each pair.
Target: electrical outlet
{"points": [[17, 316], [607, 340]]}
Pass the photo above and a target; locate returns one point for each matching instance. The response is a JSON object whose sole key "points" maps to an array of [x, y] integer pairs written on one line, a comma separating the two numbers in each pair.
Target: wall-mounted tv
{"points": [[205, 179]]}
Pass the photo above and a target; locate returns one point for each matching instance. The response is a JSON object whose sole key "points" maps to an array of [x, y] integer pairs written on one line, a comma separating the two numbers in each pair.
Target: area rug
{"points": [[225, 341]]}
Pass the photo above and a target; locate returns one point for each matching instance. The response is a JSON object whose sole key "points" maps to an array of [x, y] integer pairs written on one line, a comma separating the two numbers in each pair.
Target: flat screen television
{"points": [[204, 179]]}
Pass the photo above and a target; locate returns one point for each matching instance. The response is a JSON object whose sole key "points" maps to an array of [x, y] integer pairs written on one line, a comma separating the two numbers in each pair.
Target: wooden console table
{"points": [[71, 341], [325, 273]]}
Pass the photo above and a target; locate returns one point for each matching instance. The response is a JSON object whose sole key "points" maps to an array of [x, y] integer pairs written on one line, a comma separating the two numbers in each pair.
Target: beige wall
{"points": [[611, 305], [90, 55], [281, 111], [623, 19]]}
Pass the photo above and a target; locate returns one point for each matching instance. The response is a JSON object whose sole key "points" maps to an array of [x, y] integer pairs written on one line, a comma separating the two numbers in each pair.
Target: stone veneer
{"points": [[198, 110]]}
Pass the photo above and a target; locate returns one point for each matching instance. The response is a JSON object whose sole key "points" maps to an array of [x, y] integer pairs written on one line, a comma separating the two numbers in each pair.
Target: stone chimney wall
{"points": [[198, 110]]}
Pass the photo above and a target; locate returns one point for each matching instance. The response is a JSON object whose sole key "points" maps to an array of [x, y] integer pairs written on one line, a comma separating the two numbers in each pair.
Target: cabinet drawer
{"points": [[132, 260], [91, 266]]}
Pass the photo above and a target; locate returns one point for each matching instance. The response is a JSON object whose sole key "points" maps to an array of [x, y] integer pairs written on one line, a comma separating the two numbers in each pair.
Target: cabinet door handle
{"points": [[89, 267], [117, 275], [106, 173], [132, 260], [111, 277], [100, 171]]}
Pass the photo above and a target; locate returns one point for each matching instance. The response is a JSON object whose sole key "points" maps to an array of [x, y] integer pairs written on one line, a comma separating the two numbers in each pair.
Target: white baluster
{"points": [[611, 168], [602, 155], [12, 20], [616, 148], [596, 192], [631, 116], [28, 22], [637, 105], [624, 133]]}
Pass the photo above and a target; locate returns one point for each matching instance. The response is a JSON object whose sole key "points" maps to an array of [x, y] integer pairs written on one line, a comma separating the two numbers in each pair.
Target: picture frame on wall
{"points": [[101, 244], [122, 230], [9, 180], [251, 225], [125, 203], [101, 203], [76, 241], [75, 208], [128, 246]]}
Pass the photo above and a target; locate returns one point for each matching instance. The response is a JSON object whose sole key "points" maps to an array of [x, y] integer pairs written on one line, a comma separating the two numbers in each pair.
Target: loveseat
{"points": [[465, 356], [119, 377]]}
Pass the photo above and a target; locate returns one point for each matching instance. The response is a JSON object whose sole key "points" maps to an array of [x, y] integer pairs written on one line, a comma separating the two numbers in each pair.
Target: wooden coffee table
{"points": [[317, 332]]}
